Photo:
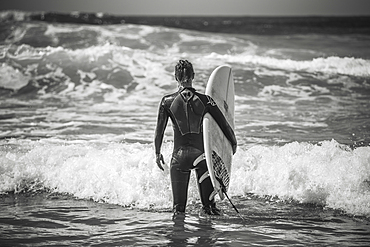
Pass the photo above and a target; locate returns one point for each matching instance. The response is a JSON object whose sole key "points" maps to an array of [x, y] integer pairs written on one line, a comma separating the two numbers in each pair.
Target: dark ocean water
{"points": [[236, 25], [78, 103]]}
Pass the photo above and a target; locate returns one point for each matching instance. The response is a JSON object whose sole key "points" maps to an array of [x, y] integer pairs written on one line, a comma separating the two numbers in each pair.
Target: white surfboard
{"points": [[217, 148]]}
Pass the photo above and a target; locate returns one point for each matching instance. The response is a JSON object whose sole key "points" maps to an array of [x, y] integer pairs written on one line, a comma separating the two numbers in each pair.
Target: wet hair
{"points": [[184, 71]]}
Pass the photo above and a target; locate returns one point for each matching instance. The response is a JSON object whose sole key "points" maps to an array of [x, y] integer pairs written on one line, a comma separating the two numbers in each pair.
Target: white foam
{"points": [[329, 65], [12, 78], [13, 15], [329, 174], [122, 174]]}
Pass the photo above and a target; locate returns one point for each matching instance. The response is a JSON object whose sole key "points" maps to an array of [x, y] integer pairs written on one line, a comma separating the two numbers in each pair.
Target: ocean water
{"points": [[78, 102]]}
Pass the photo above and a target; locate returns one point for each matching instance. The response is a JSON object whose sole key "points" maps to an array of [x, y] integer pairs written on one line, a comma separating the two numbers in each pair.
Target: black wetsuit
{"points": [[186, 109]]}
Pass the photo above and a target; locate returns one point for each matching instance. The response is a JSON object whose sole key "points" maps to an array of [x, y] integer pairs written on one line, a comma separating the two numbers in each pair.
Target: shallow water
{"points": [[40, 220]]}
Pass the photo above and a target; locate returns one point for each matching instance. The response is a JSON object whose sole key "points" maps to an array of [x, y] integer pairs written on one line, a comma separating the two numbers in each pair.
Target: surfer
{"points": [[186, 109]]}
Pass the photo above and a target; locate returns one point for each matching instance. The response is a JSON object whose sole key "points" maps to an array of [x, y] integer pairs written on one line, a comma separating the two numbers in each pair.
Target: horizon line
{"points": [[185, 15]]}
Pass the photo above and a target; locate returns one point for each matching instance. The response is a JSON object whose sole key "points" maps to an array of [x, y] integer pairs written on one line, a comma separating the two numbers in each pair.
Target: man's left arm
{"points": [[159, 133]]}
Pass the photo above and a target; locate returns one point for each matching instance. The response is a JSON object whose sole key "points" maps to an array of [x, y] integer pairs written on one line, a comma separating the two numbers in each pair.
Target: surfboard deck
{"points": [[217, 148]]}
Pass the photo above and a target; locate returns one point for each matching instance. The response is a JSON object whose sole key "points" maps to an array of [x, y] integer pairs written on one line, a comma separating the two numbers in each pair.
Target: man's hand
{"points": [[159, 159], [234, 148]]}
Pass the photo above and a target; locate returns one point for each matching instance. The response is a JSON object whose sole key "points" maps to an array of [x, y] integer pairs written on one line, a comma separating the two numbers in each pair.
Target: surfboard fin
{"points": [[199, 159], [204, 176], [212, 195]]}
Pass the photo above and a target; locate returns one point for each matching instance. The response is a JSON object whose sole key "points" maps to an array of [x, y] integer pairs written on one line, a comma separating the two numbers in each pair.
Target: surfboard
{"points": [[217, 148]]}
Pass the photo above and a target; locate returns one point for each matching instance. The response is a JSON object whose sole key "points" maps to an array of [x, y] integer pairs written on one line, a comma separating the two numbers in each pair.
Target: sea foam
{"points": [[327, 174], [327, 65]]}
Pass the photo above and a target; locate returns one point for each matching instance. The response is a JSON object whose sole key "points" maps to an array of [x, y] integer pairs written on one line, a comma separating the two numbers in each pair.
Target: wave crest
{"points": [[126, 174], [329, 174], [329, 65]]}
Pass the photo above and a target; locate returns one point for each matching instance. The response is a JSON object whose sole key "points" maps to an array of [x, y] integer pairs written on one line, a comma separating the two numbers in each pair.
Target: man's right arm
{"points": [[224, 125]]}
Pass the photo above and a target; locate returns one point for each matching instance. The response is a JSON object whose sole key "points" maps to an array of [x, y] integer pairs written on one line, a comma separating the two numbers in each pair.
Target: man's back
{"points": [[186, 109]]}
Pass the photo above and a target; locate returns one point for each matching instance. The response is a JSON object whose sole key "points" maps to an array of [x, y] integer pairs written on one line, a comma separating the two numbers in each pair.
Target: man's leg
{"points": [[205, 189], [179, 182]]}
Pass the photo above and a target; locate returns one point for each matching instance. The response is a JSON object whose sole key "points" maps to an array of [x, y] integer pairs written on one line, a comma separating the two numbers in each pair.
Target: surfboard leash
{"points": [[223, 188]]}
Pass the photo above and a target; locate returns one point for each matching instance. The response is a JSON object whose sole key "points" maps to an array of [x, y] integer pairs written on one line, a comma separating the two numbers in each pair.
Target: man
{"points": [[186, 109]]}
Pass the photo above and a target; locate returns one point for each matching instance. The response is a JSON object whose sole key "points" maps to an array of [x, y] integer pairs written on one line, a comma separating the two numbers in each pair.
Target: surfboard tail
{"points": [[217, 190]]}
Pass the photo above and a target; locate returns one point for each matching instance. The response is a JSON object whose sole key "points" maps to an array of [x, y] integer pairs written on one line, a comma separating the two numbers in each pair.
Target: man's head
{"points": [[184, 72]]}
